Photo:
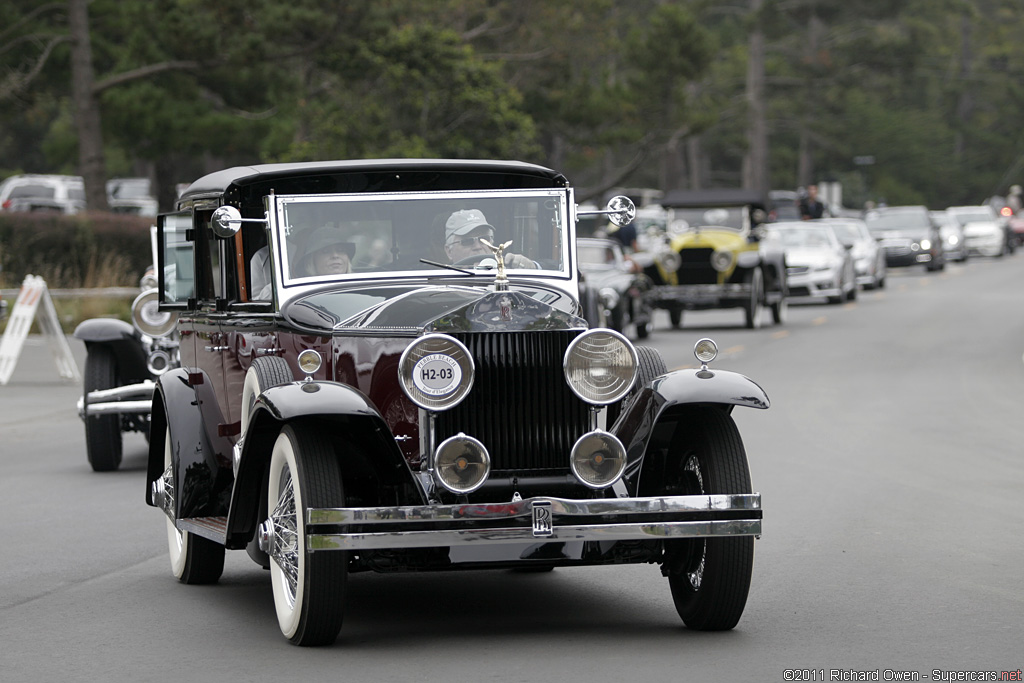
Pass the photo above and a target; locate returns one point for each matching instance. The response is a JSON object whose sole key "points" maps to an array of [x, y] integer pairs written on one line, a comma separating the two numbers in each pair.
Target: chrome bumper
{"points": [[131, 399], [699, 294], [534, 520]]}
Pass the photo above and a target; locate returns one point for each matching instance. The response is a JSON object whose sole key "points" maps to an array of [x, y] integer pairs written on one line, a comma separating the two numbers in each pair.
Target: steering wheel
{"points": [[475, 260]]}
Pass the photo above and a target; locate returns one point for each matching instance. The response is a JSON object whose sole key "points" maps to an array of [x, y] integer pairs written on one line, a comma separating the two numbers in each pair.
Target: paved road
{"points": [[891, 465]]}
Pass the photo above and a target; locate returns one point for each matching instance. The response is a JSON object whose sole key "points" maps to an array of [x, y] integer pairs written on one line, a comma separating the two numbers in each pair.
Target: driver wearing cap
{"points": [[463, 234]]}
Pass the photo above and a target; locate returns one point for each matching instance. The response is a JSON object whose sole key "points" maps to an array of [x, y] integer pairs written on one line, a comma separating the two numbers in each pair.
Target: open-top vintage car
{"points": [[122, 364], [384, 368], [711, 256]]}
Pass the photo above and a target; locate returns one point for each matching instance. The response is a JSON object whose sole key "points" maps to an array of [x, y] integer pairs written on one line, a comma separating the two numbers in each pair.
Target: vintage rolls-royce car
{"points": [[122, 364], [711, 256], [384, 368]]}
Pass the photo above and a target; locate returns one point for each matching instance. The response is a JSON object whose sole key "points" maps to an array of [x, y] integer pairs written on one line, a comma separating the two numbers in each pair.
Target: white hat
{"points": [[464, 222]]}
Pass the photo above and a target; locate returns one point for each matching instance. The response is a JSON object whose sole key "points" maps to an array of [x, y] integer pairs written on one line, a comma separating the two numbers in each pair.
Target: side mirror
{"points": [[621, 211], [227, 221]]}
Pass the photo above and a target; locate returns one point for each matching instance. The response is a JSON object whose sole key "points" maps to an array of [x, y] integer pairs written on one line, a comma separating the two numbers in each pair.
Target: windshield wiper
{"points": [[448, 266]]}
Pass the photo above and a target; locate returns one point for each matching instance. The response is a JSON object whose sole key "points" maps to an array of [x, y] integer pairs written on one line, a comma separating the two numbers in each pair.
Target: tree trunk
{"points": [[755, 164], [92, 164]]}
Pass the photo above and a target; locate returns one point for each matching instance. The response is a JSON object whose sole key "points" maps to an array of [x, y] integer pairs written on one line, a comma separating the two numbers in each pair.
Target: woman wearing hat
{"points": [[326, 253]]}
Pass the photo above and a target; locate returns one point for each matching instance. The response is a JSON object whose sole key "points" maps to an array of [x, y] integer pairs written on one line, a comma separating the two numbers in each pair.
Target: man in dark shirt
{"points": [[810, 207]]}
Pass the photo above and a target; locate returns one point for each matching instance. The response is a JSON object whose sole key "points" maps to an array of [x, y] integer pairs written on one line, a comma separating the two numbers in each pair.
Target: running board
{"points": [[213, 528]]}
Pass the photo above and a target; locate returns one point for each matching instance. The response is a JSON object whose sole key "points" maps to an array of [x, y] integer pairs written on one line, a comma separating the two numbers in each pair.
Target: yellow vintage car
{"points": [[711, 256]]}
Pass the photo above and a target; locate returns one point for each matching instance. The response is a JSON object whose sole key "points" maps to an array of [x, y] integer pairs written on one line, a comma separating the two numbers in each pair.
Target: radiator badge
{"points": [[542, 518], [505, 307]]}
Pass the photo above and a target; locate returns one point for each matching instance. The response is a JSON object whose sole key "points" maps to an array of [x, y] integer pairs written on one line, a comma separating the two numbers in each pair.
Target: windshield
{"points": [[596, 254], [847, 232], [910, 221], [728, 217], [339, 237], [802, 237], [978, 216]]}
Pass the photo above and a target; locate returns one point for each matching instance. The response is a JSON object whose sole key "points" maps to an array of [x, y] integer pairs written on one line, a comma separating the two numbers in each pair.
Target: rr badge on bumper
{"points": [[542, 518]]}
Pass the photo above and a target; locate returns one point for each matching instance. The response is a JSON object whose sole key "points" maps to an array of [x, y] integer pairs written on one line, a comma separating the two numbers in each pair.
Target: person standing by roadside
{"points": [[811, 206]]}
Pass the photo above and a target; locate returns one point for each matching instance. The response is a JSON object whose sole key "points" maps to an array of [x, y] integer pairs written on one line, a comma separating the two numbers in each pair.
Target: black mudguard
{"points": [[334, 406], [671, 394], [123, 339], [202, 457]]}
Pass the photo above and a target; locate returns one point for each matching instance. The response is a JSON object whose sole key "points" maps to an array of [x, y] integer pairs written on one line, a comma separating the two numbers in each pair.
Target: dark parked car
{"points": [[908, 235], [376, 407], [122, 364], [711, 256], [621, 288]]}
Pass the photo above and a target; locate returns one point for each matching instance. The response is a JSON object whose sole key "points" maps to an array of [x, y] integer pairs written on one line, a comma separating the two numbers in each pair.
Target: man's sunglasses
{"points": [[468, 242]]}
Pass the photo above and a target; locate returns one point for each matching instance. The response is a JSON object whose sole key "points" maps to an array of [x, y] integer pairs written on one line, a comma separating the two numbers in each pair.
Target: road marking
{"points": [[819, 321], [850, 304], [734, 349], [781, 334]]}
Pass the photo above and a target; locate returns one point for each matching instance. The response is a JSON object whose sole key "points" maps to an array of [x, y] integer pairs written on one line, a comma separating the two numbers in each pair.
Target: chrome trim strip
{"points": [[523, 508], [598, 532]]}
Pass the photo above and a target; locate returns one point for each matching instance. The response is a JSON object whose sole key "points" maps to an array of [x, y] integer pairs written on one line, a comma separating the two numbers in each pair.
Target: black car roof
{"points": [[712, 198], [375, 175]]}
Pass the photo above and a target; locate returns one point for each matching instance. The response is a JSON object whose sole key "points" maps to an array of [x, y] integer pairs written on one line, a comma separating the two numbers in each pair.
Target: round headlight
{"points": [[600, 366], [598, 459], [721, 260], [310, 361], [669, 260], [705, 350], [148, 318], [461, 464], [436, 372]]}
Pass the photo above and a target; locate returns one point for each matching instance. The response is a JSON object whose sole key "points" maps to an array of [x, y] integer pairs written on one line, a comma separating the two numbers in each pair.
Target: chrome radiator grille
{"points": [[520, 406]]}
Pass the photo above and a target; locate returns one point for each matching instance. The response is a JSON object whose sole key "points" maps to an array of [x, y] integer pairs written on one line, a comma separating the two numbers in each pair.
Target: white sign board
{"points": [[33, 296]]}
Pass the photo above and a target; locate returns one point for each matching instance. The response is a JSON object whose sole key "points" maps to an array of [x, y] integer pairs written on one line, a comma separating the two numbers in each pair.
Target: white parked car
{"points": [[131, 195], [817, 262], [868, 255], [983, 230], [38, 192]]}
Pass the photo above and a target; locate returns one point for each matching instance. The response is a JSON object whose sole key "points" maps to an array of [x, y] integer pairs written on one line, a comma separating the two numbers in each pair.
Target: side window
{"points": [[176, 258]]}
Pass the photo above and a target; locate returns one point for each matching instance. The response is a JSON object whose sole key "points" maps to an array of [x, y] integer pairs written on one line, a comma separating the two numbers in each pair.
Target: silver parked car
{"points": [[954, 241], [38, 192], [868, 255], [818, 264]]}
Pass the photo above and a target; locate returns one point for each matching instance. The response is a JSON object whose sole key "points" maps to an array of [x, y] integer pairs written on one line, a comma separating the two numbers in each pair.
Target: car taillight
{"points": [[1006, 211], [7, 204]]}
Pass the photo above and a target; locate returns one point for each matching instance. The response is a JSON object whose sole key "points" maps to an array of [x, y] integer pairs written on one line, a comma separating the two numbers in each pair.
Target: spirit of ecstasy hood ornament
{"points": [[500, 282]]}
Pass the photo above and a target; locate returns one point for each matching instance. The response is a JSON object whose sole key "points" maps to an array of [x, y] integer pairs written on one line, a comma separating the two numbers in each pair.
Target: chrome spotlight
{"points": [[598, 459], [461, 464], [705, 350], [600, 366], [148, 318]]}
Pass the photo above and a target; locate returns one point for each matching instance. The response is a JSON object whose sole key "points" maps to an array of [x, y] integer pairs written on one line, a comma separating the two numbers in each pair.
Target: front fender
{"points": [[350, 418], [671, 393], [125, 341]]}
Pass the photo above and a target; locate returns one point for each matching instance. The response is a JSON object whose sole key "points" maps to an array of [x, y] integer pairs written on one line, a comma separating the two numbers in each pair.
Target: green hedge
{"points": [[83, 250]]}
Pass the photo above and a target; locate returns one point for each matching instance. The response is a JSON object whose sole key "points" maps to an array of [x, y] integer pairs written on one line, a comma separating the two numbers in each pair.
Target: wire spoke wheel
{"points": [[308, 587], [710, 578]]}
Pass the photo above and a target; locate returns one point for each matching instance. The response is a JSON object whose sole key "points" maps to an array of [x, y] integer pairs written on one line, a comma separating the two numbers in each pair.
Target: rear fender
{"points": [[653, 414], [343, 412]]}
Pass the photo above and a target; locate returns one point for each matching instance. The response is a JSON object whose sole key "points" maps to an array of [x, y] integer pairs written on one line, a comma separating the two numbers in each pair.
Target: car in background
{"points": [[818, 264], [622, 290], [785, 206], [41, 192], [954, 242], [908, 235], [122, 364], [868, 256], [711, 256], [984, 231], [131, 195], [422, 410]]}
